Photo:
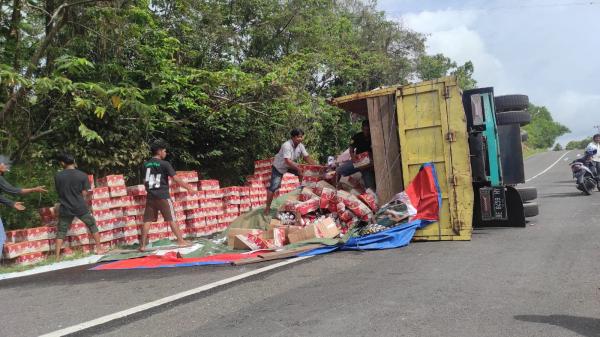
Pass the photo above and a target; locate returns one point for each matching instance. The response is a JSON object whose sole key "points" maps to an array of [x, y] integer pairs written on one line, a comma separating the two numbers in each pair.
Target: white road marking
{"points": [[166, 300], [547, 169]]}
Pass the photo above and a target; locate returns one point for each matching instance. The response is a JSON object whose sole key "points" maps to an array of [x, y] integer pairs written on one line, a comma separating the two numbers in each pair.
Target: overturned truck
{"points": [[472, 137]]}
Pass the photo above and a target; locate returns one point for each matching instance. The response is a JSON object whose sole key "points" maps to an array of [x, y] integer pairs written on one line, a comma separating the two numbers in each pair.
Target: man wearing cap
{"points": [[5, 186]]}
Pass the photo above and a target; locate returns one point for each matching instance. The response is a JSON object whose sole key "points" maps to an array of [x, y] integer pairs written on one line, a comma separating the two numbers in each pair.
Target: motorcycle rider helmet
{"points": [[590, 150]]}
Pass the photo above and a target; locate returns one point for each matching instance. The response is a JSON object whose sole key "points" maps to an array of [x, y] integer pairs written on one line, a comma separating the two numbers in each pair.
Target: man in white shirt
{"points": [[285, 161], [596, 145]]}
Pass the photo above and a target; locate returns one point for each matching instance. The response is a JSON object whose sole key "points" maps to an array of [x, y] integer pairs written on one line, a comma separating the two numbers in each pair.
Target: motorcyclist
{"points": [[587, 161]]}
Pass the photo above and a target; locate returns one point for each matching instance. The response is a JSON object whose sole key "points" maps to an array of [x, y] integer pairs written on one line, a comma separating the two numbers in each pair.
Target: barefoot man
{"points": [[71, 186], [157, 172]]}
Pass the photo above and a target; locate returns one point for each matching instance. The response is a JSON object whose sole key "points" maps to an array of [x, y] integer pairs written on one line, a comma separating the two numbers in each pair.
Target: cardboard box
{"points": [[303, 234], [233, 242], [362, 160], [326, 228]]}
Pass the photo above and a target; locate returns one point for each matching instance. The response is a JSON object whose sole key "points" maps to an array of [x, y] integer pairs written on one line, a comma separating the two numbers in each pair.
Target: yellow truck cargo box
{"points": [[415, 124]]}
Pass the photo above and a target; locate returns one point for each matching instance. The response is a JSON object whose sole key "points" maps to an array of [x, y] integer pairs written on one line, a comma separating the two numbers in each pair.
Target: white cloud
{"points": [[450, 32], [578, 111]]}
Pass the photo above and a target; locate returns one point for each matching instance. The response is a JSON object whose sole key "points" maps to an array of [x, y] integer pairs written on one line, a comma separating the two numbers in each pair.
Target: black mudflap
{"points": [[514, 207]]}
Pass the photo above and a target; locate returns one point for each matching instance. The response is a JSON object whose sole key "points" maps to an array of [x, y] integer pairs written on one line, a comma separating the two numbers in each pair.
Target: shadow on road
{"points": [[562, 195], [584, 326]]}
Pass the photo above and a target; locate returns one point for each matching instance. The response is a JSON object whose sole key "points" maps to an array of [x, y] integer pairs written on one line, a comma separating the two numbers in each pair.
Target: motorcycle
{"points": [[586, 179]]}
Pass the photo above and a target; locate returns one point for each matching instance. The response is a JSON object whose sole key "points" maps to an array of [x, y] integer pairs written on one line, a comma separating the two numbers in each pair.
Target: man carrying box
{"points": [[360, 143], [284, 162], [71, 186], [157, 172], [5, 186]]}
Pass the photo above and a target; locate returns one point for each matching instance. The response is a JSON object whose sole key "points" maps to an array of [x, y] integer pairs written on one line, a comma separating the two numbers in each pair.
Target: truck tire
{"points": [[527, 193], [530, 209], [513, 117], [524, 136], [511, 102]]}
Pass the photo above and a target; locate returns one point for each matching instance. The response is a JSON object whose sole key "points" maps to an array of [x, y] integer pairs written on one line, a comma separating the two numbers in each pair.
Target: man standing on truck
{"points": [[157, 172], [595, 144], [285, 162], [360, 143], [71, 186], [5, 186]]}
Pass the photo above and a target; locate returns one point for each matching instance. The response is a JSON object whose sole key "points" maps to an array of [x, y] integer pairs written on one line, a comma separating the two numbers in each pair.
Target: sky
{"points": [[548, 50]]}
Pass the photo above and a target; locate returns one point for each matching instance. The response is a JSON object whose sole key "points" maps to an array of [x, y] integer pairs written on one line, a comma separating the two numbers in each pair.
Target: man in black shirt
{"points": [[71, 186], [156, 179], [360, 142], [5, 186]]}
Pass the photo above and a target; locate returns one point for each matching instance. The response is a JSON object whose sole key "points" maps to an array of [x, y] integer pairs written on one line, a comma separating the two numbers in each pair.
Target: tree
{"points": [[543, 130], [578, 144], [557, 147]]}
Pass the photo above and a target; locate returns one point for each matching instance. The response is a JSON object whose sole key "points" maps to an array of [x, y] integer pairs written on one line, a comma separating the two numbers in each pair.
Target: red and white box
{"points": [[231, 209], [12, 250], [208, 185], [131, 230], [77, 228], [98, 193], [228, 218], [279, 237], [15, 236], [112, 181], [106, 236], [254, 242], [245, 207], [131, 240], [212, 220], [308, 206], [178, 207], [188, 176], [263, 163], [369, 200], [312, 170], [118, 191], [231, 191], [29, 259], [134, 210], [362, 160], [99, 204], [91, 181], [38, 233], [136, 190], [105, 225], [189, 205], [139, 200], [309, 181], [195, 223], [117, 233], [180, 215], [80, 240], [244, 191], [195, 213], [254, 191], [289, 178], [129, 221], [232, 200], [214, 194], [254, 181], [176, 188], [213, 203]]}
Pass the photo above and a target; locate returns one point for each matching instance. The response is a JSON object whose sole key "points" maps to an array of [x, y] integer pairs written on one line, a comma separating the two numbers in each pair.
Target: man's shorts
{"points": [[276, 177], [164, 206], [64, 222]]}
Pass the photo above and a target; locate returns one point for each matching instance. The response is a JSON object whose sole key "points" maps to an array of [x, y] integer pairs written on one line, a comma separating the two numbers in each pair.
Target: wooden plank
{"points": [[392, 144], [378, 146]]}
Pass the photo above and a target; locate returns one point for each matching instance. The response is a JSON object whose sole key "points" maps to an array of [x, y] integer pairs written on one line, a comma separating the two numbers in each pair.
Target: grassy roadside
{"points": [[528, 152], [5, 269]]}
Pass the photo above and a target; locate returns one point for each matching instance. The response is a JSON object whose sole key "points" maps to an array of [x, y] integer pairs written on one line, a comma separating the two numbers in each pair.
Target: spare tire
{"points": [[511, 102], [530, 209], [513, 117], [524, 136], [527, 193]]}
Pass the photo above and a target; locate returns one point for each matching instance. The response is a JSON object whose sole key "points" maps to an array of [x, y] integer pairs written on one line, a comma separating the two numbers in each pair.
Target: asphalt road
{"points": [[541, 280]]}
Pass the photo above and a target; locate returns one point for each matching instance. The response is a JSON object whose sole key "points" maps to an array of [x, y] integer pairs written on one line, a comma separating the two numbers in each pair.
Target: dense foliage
{"points": [[578, 144], [222, 81], [543, 130]]}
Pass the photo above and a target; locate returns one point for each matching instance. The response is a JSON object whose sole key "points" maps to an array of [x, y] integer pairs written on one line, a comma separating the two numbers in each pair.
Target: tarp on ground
{"points": [[423, 192]]}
